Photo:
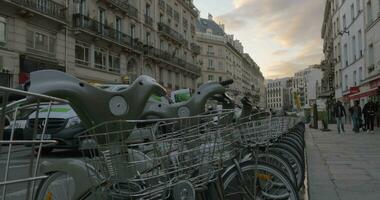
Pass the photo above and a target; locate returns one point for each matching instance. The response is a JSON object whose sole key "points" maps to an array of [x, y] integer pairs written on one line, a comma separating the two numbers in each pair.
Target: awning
{"points": [[371, 92]]}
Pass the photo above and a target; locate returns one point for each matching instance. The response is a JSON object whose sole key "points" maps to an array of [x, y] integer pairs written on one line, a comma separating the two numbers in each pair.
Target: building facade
{"points": [[307, 85], [102, 41], [356, 49], [279, 94], [222, 57]]}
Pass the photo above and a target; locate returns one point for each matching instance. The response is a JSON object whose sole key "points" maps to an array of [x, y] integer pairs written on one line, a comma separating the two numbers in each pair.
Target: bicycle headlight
{"points": [[74, 121]]}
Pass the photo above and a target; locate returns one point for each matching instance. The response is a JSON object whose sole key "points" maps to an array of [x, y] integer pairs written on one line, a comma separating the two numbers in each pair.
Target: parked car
{"points": [[62, 125]]}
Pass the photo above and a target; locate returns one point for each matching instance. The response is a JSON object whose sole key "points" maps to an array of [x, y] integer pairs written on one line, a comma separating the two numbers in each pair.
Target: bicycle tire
{"points": [[231, 178]]}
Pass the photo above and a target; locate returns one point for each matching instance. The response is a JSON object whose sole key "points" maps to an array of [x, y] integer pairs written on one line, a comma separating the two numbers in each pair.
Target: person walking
{"points": [[356, 113], [369, 112], [340, 115]]}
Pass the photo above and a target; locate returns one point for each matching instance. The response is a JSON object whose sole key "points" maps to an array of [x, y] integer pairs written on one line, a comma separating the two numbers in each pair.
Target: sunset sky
{"points": [[282, 36]]}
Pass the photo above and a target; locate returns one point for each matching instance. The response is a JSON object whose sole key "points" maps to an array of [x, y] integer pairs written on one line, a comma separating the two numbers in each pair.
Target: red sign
{"points": [[354, 90]]}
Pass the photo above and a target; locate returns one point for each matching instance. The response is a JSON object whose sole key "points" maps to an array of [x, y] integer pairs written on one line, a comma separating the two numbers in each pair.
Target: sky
{"points": [[282, 36]]}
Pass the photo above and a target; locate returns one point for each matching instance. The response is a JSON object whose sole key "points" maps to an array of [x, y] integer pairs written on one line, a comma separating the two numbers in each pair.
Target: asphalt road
{"points": [[19, 167]]}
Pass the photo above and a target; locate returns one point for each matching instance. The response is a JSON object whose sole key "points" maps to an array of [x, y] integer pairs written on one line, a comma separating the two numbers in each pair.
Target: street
{"points": [[343, 166], [19, 168]]}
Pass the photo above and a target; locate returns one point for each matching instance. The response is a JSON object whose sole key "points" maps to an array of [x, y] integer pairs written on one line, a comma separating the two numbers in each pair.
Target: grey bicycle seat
{"points": [[94, 105], [194, 106]]}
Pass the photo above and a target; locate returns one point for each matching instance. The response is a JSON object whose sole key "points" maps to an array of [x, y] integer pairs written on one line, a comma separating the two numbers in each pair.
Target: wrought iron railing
{"points": [[170, 32], [102, 30], [164, 55], [46, 7]]}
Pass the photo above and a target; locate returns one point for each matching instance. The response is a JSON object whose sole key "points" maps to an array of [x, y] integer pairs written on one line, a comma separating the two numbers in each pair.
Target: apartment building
{"points": [[279, 94], [356, 57], [307, 85], [370, 82], [222, 57], [104, 41]]}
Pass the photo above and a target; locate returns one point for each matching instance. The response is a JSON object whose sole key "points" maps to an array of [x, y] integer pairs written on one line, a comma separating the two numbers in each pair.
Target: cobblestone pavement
{"points": [[343, 166]]}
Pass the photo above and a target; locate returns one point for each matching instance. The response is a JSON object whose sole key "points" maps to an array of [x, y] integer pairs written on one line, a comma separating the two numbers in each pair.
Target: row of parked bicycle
{"points": [[135, 147]]}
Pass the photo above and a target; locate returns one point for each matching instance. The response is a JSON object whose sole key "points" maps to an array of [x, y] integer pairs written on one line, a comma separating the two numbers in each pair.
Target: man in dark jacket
{"points": [[340, 115], [369, 112]]}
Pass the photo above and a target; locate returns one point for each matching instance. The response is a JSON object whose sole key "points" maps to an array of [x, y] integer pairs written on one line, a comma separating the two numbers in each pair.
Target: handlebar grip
{"points": [[226, 82]]}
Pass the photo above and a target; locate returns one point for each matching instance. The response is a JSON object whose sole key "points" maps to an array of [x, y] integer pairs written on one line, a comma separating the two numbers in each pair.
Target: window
{"points": [[354, 78], [102, 20], [358, 6], [114, 62], [133, 27], [118, 28], [371, 54], [147, 38], [354, 48], [210, 50], [210, 77], [345, 54], [81, 7], [147, 10], [2, 31], [360, 45], [210, 63], [82, 53], [100, 57], [344, 22], [220, 78], [40, 41], [352, 12], [360, 73], [346, 81], [369, 12]]}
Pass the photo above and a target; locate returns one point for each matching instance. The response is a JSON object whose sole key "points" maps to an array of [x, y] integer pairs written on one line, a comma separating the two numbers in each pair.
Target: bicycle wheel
{"points": [[58, 185], [296, 164], [275, 159], [255, 181]]}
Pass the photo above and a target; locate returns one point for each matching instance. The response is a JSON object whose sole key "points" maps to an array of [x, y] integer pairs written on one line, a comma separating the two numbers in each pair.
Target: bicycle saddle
{"points": [[194, 106], [94, 105]]}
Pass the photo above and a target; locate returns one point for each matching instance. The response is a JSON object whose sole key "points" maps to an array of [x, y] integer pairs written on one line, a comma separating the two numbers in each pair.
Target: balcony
{"points": [[103, 31], [195, 48], [125, 7], [45, 7], [148, 20], [167, 57], [171, 33]]}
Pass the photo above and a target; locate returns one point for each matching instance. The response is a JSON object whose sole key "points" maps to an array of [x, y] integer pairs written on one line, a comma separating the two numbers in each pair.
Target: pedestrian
{"points": [[369, 112], [356, 113], [340, 115]]}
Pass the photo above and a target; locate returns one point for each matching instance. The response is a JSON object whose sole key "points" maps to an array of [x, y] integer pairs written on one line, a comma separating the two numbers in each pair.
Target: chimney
{"points": [[210, 16]]}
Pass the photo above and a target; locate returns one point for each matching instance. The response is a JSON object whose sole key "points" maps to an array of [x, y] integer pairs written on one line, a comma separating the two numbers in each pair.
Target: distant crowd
{"points": [[363, 119]]}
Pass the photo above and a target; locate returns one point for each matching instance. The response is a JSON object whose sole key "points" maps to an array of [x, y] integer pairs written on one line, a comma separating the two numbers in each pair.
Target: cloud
{"points": [[293, 25], [280, 52]]}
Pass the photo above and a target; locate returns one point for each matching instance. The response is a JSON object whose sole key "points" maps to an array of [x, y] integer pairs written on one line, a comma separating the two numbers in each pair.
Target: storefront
{"points": [[369, 90]]}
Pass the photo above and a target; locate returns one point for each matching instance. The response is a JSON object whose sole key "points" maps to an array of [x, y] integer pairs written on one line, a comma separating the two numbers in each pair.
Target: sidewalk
{"points": [[343, 166]]}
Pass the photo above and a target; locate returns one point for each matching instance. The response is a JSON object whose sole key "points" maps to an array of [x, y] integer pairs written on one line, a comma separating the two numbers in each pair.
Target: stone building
{"points": [[279, 94], [102, 41], [222, 57]]}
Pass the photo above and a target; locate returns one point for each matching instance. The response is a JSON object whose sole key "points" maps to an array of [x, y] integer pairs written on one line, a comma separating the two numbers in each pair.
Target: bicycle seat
{"points": [[94, 105], [194, 106]]}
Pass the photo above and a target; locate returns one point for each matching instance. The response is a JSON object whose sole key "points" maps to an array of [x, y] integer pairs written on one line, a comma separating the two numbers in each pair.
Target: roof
{"points": [[204, 24]]}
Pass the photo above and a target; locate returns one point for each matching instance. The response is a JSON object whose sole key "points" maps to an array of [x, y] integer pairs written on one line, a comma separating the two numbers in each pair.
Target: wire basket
{"points": [[147, 162]]}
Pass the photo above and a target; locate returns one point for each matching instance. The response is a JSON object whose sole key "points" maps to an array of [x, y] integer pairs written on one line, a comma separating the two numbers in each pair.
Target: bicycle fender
{"points": [[84, 175]]}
